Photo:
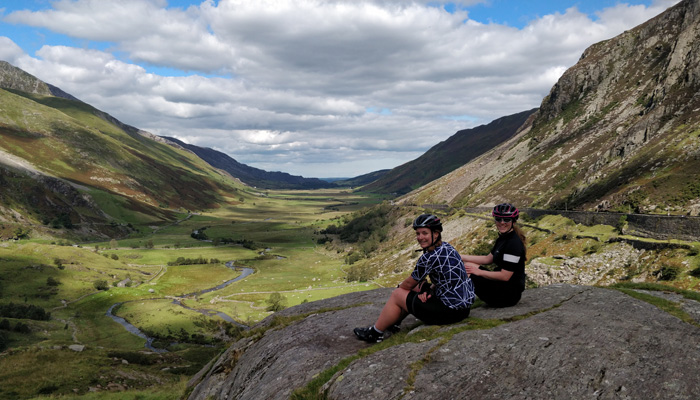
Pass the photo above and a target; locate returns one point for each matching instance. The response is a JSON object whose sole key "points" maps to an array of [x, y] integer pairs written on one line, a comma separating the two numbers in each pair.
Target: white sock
{"points": [[375, 328]]}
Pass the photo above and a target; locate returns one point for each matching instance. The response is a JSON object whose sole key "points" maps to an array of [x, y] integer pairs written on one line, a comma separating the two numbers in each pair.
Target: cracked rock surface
{"points": [[560, 341]]}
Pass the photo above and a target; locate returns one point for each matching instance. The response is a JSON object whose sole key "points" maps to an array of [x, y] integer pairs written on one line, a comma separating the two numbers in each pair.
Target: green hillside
{"points": [[124, 174]]}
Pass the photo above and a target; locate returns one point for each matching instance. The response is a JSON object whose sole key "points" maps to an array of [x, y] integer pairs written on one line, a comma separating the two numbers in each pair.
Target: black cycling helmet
{"points": [[429, 221], [506, 210]]}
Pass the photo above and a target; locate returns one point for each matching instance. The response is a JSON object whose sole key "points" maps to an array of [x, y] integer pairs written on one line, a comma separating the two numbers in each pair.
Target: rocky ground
{"points": [[602, 268], [560, 341]]}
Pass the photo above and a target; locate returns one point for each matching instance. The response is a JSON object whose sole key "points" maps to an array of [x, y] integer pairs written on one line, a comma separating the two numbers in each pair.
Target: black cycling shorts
{"points": [[433, 312]]}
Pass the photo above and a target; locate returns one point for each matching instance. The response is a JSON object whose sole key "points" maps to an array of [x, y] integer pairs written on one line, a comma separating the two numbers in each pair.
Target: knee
{"points": [[398, 296]]}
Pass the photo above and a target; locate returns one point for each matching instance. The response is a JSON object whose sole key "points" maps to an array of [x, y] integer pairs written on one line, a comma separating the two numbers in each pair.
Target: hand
{"points": [[472, 269], [424, 296]]}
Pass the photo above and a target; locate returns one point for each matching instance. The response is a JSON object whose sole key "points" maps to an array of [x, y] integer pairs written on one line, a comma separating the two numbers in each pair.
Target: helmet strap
{"points": [[435, 242]]}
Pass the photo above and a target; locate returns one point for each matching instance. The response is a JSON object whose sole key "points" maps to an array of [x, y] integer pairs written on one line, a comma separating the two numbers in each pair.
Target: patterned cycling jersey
{"points": [[446, 270]]}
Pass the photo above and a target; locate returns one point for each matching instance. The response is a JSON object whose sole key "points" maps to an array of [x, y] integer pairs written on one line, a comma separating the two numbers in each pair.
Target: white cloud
{"points": [[9, 51], [310, 87]]}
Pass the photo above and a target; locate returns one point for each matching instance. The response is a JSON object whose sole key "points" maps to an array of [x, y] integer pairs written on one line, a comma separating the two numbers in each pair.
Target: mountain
{"points": [[65, 164], [448, 155], [250, 175], [12, 77], [362, 179], [619, 131]]}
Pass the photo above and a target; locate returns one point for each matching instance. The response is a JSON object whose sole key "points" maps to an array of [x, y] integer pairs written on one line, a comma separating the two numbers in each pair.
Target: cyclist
{"points": [[446, 299], [503, 286]]}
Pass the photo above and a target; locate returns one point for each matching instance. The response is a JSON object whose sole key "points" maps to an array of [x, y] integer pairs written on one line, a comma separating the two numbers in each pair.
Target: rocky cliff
{"points": [[561, 342], [619, 131]]}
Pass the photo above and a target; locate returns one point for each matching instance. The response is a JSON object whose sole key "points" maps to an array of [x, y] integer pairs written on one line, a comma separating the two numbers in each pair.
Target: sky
{"points": [[318, 88]]}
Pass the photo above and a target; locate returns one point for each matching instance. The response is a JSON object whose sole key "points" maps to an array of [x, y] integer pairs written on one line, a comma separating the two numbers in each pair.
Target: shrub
{"points": [[362, 272], [592, 248], [352, 258], [331, 230], [22, 328], [566, 234], [669, 272], [199, 234], [193, 261], [367, 225], [101, 285], [695, 272], [621, 224], [24, 311], [134, 357], [48, 389], [21, 233], [51, 281]]}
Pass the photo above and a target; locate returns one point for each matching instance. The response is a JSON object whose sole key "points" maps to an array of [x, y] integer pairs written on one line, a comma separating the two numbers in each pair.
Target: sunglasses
{"points": [[498, 219]]}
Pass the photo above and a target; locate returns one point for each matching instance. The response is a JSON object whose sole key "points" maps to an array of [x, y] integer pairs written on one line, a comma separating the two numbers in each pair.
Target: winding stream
{"points": [[149, 340]]}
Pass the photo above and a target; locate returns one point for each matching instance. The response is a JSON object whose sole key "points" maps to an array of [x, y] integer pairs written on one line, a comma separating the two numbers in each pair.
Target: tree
{"points": [[113, 244], [276, 302], [101, 285]]}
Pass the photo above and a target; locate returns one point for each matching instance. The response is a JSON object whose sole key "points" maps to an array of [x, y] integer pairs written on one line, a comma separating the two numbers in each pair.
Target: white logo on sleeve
{"points": [[511, 258]]}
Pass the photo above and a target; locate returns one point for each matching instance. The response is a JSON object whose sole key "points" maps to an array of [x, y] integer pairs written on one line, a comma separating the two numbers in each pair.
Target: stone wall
{"points": [[653, 226], [661, 227]]}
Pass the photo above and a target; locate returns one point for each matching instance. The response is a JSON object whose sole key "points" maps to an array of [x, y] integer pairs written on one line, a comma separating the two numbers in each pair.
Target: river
{"points": [[149, 340]]}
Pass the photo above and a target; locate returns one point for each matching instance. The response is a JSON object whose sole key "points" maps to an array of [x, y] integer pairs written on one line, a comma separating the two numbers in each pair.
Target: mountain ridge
{"points": [[449, 155], [250, 175], [66, 143], [619, 131]]}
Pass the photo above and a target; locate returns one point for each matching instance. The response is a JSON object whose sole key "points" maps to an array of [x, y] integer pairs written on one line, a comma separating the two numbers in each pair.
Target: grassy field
{"points": [[273, 233], [157, 280]]}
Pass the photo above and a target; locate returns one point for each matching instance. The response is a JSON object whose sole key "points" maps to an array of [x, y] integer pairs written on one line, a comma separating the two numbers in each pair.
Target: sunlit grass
{"points": [[285, 256]]}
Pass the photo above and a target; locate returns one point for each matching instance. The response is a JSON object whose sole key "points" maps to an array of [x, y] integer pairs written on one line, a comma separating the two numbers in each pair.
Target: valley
{"points": [[176, 283], [132, 265], [159, 279]]}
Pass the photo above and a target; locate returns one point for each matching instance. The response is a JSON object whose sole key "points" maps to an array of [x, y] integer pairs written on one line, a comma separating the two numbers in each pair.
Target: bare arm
{"points": [[502, 275], [480, 260], [471, 264], [408, 283]]}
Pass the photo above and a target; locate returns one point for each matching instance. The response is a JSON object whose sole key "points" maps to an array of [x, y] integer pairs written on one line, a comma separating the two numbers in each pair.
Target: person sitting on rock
{"points": [[447, 300], [503, 286]]}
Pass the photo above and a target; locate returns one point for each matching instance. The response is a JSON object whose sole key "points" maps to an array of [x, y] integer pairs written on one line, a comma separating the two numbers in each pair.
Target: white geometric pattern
{"points": [[446, 270]]}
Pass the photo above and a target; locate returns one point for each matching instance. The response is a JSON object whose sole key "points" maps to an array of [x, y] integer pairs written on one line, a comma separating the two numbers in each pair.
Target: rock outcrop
{"points": [[617, 132], [561, 342]]}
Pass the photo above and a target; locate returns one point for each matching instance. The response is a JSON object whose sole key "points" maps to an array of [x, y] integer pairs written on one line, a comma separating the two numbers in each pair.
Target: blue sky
{"points": [[319, 88]]}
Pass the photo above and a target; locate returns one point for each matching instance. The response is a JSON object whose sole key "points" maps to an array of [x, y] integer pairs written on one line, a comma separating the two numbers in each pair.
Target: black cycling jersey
{"points": [[509, 254]]}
